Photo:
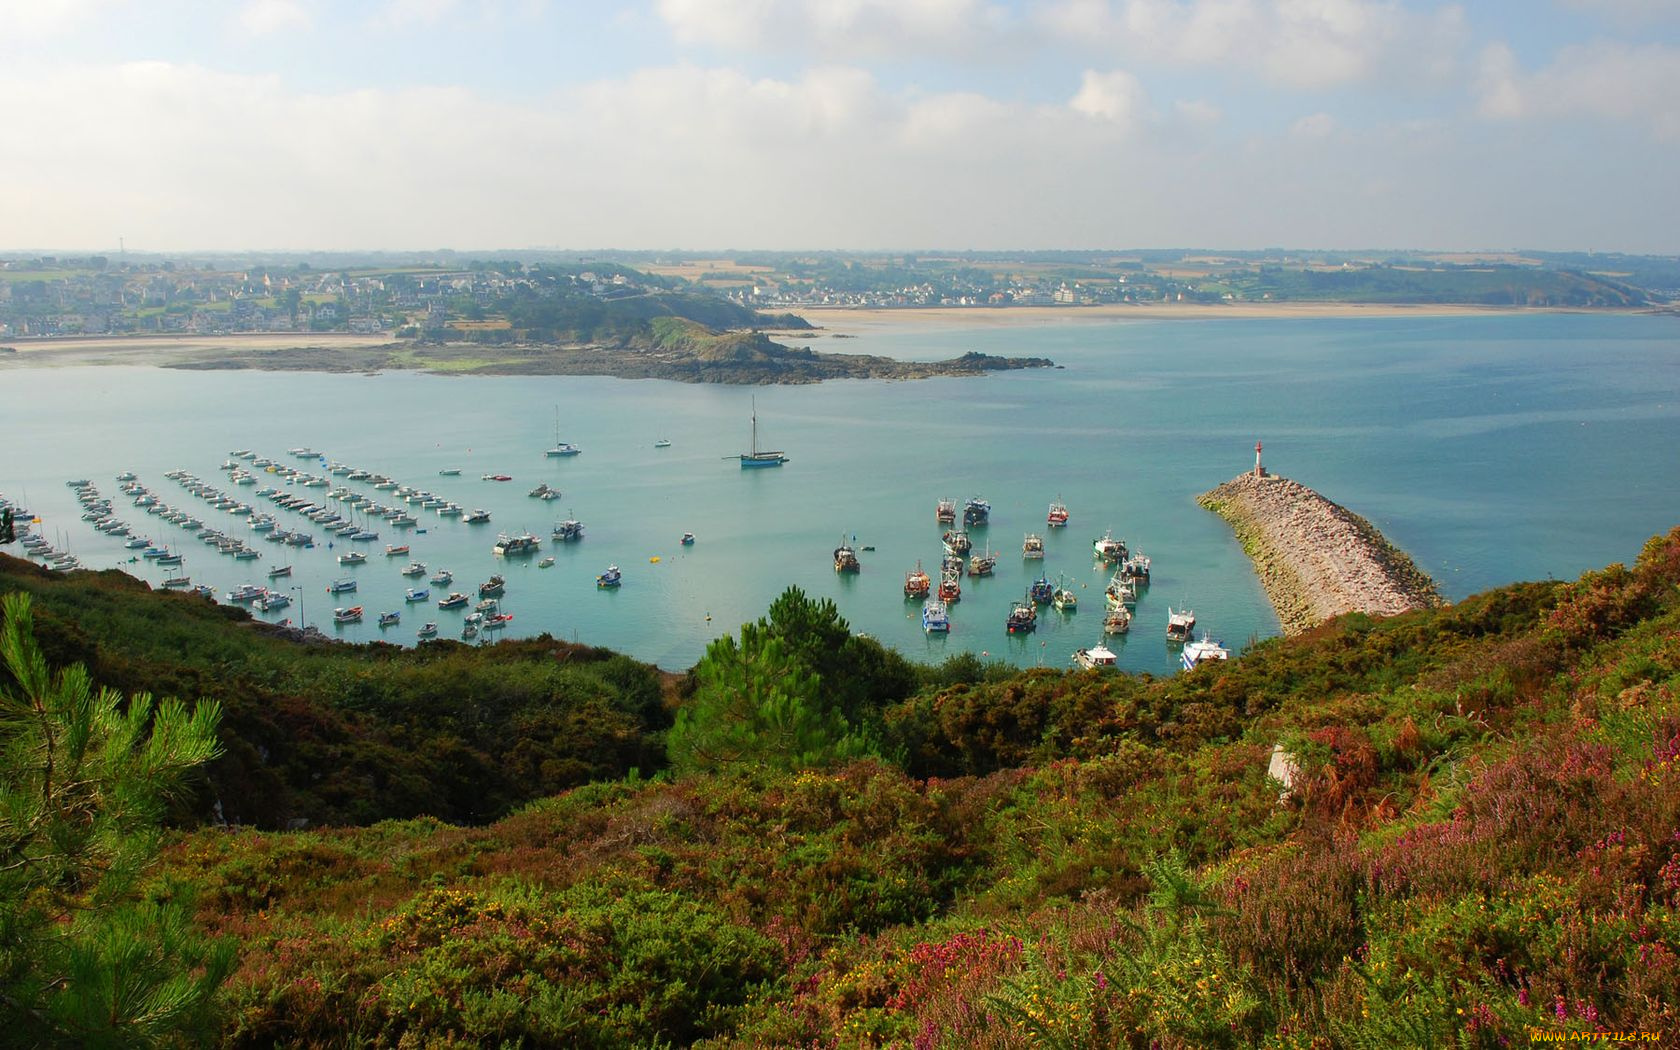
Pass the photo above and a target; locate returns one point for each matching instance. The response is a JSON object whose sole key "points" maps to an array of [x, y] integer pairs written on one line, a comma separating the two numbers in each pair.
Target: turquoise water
{"points": [[1492, 449]]}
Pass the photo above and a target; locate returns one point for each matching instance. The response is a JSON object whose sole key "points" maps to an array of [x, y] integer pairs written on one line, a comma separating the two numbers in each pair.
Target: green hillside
{"points": [[1482, 841]]}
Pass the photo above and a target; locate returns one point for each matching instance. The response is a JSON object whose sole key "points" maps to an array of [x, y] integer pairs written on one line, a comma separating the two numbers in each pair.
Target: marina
{"points": [[869, 457]]}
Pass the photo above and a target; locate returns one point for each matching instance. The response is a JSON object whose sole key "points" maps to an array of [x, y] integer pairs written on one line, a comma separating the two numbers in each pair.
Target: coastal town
{"points": [[505, 296]]}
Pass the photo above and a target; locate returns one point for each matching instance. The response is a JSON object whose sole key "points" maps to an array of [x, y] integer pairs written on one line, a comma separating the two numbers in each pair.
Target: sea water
{"points": [[1491, 448]]}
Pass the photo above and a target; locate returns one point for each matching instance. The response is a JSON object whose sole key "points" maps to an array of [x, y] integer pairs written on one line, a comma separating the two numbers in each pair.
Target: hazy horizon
{"points": [[675, 125]]}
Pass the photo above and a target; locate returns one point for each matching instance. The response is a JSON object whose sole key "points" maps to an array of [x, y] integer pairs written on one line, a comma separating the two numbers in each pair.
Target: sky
{"points": [[167, 125]]}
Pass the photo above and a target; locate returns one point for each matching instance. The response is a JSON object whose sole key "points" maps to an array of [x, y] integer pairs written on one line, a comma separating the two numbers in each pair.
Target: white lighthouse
{"points": [[1259, 471]]}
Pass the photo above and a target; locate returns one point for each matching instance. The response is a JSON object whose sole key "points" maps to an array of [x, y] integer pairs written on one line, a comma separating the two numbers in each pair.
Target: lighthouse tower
{"points": [[1259, 471]]}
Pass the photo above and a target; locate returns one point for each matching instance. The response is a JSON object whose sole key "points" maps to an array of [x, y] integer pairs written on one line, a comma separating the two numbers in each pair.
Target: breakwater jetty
{"points": [[1316, 559]]}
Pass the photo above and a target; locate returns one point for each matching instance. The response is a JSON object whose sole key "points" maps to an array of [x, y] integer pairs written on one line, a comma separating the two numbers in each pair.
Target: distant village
{"points": [[52, 296]]}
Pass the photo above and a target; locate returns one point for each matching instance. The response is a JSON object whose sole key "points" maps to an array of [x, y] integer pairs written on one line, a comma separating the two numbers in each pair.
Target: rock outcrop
{"points": [[1317, 559]]}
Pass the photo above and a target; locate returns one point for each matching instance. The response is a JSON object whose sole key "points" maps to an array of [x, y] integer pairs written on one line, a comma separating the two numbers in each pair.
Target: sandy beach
{"points": [[169, 349], [841, 320]]}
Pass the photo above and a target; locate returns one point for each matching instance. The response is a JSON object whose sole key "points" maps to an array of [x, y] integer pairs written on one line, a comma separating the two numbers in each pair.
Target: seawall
{"points": [[1317, 559]]}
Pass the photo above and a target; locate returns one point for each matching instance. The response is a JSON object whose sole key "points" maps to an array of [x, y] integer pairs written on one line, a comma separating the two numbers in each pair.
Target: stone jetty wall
{"points": [[1315, 558]]}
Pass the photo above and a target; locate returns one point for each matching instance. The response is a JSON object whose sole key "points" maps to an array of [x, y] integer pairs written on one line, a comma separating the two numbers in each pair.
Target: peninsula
{"points": [[1316, 559]]}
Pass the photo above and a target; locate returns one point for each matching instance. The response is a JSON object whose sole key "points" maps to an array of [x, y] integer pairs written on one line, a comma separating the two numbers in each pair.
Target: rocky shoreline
{"points": [[1317, 559]]}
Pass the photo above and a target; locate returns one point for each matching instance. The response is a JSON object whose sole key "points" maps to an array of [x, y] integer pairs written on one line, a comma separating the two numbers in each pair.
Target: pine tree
{"points": [[84, 779]]}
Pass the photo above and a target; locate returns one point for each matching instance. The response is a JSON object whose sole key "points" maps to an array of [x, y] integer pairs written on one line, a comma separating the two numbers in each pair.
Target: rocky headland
{"points": [[1316, 559]]}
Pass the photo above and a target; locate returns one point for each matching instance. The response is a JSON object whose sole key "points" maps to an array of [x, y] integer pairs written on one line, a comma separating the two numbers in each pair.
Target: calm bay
{"points": [[1491, 448]]}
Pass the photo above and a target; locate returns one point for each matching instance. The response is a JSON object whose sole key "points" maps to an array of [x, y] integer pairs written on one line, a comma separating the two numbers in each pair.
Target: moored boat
{"points": [[688, 539], [492, 587], [352, 558], [758, 457], [417, 594], [1032, 546], [279, 571], [1108, 548], [846, 559], [414, 568], [957, 542], [1065, 600], [523, 543], [1041, 591], [427, 630], [1097, 656], [455, 600], [916, 583], [982, 564], [1180, 624], [1022, 618], [341, 586], [389, 619], [1117, 620], [1058, 514], [976, 511], [350, 615], [936, 618], [1203, 650], [546, 563], [442, 578], [946, 512], [568, 530], [611, 578]]}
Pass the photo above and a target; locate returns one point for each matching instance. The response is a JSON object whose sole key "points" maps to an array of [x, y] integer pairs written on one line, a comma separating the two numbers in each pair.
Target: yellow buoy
{"points": [[654, 559]]}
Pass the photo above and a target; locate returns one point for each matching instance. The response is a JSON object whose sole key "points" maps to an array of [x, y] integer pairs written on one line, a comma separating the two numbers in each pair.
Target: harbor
{"points": [[1316, 559]]}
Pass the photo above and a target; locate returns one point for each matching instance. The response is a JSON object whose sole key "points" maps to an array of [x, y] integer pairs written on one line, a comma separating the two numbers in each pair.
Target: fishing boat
{"points": [[1117, 621], [1098, 656], [1032, 546], [1065, 600], [414, 568], [546, 563], [542, 491], [1180, 624], [524, 543], [455, 600], [493, 587], [662, 443], [688, 539], [568, 530], [611, 578], [1058, 515], [936, 618], [246, 592], [946, 512], [469, 632], [488, 606], [279, 571], [561, 448], [1120, 592], [352, 558], [1022, 618], [916, 583], [442, 578], [341, 586], [427, 630], [1108, 548], [957, 542], [396, 550], [490, 477], [758, 457], [1201, 651], [950, 586], [982, 564], [389, 619], [417, 594], [477, 517], [350, 615], [169, 559], [273, 600], [1041, 591], [177, 582], [846, 559], [448, 472], [498, 621], [976, 511], [1136, 568]]}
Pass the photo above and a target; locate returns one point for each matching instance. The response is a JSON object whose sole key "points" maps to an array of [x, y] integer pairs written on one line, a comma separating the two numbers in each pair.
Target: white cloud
{"points": [[27, 19], [179, 157], [1628, 11], [1307, 44], [1197, 112], [405, 14], [1604, 81], [843, 29], [262, 17], [1314, 126], [1116, 97]]}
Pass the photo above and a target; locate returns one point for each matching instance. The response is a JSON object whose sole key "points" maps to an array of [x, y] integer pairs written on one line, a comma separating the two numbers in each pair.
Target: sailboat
{"points": [[561, 448], [756, 458]]}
